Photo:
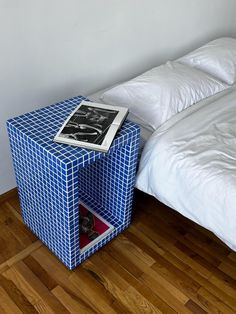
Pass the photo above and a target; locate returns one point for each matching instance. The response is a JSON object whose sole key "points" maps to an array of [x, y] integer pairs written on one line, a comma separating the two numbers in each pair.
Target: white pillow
{"points": [[217, 58], [160, 93]]}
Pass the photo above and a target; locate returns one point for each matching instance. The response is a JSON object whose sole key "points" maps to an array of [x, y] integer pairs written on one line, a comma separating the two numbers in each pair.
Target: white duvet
{"points": [[190, 165]]}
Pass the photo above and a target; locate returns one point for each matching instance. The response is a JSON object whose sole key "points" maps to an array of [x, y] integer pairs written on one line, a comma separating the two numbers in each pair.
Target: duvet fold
{"points": [[189, 164]]}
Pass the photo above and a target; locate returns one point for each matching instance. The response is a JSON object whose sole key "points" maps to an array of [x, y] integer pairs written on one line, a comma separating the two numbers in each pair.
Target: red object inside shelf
{"points": [[95, 227]]}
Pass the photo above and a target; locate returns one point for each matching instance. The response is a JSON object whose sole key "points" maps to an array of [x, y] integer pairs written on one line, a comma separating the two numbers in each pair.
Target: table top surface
{"points": [[42, 125]]}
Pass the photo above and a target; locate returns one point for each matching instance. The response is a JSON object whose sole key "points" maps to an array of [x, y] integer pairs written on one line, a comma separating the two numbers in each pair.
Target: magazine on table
{"points": [[92, 125], [92, 227]]}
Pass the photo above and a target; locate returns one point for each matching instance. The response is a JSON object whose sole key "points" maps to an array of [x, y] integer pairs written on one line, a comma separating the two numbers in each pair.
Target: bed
{"points": [[199, 180], [188, 161]]}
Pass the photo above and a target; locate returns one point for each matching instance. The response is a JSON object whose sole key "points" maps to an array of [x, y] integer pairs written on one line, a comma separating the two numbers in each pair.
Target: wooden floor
{"points": [[162, 264]]}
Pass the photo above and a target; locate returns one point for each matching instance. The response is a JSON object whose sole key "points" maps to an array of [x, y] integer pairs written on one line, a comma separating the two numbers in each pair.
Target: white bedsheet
{"points": [[190, 164]]}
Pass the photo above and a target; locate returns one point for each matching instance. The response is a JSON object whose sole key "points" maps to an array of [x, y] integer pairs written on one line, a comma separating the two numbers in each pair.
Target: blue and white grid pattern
{"points": [[53, 177]]}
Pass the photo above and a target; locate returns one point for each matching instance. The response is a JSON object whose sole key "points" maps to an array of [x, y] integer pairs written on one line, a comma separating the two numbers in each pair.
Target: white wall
{"points": [[52, 50]]}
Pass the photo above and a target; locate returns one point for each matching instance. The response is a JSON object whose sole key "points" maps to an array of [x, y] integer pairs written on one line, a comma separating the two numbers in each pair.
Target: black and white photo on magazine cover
{"points": [[89, 124]]}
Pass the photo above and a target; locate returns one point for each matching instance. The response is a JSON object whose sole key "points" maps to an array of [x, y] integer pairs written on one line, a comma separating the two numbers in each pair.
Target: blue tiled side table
{"points": [[53, 177]]}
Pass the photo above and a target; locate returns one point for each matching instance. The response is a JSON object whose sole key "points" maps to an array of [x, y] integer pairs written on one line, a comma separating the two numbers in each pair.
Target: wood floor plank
{"points": [[129, 246], [224, 283], [172, 231], [33, 289], [51, 263], [167, 270], [15, 204], [168, 296], [194, 308], [123, 260], [219, 293], [14, 236], [214, 304], [21, 255], [207, 244], [13, 210], [17, 295], [38, 270], [148, 242], [93, 289], [119, 287], [228, 268], [3, 268], [7, 305], [163, 263], [232, 256], [71, 304], [2, 310], [8, 195], [163, 266], [9, 245], [16, 226], [166, 290], [184, 244], [176, 221], [166, 245], [148, 293], [138, 303], [60, 274]]}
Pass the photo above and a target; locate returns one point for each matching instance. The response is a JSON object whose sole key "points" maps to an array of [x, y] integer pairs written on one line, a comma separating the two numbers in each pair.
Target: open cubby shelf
{"points": [[52, 178]]}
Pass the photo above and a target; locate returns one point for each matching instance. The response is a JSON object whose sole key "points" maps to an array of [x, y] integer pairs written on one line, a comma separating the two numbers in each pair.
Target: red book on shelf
{"points": [[92, 227]]}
